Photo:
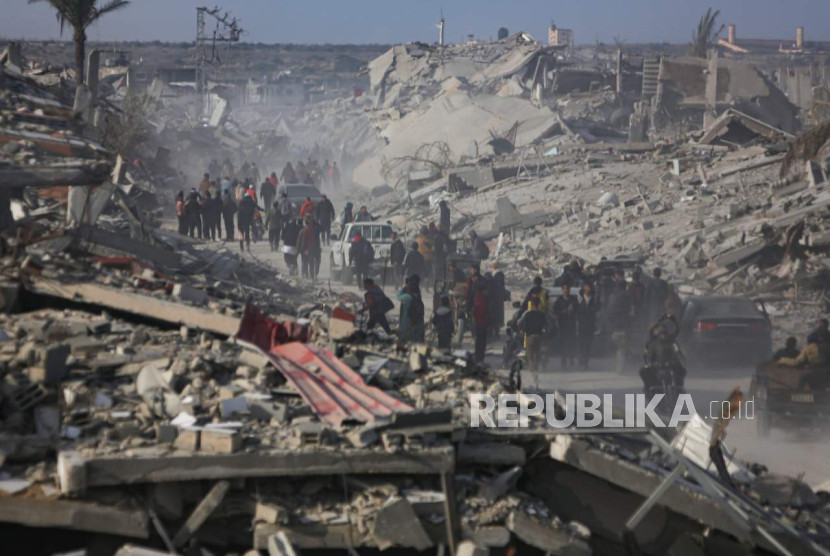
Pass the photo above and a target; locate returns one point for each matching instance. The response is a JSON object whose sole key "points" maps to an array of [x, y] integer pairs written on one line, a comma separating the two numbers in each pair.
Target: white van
{"points": [[376, 233]]}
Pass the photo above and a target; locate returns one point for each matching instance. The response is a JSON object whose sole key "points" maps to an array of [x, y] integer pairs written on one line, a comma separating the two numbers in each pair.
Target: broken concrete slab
{"points": [[396, 524]]}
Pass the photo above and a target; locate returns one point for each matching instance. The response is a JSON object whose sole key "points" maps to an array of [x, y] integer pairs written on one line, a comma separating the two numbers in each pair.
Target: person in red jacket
{"points": [[307, 209], [477, 303], [308, 244]]}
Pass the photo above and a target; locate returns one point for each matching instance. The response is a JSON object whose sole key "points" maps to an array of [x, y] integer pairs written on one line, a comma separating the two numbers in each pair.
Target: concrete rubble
{"points": [[156, 397]]}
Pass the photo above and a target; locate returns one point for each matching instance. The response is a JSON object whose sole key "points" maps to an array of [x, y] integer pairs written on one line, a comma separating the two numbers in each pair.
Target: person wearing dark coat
{"points": [[397, 252], [440, 248], [193, 214], [290, 234], [245, 219], [273, 221], [360, 257], [413, 262], [444, 216], [566, 309], [228, 212], [587, 318], [267, 192], [496, 300], [656, 293], [618, 315], [348, 214], [377, 304], [325, 216], [444, 324]]}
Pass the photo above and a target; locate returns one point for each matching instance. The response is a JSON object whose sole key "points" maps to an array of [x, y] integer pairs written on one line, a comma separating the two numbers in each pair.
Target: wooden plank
{"points": [[203, 511], [142, 305], [79, 516], [151, 465]]}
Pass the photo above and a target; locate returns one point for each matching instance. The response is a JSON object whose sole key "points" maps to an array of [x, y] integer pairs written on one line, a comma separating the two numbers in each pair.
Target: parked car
{"points": [[722, 329], [378, 234], [295, 195]]}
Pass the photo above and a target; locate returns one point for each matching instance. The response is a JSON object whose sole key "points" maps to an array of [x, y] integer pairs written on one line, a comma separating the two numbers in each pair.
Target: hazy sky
{"points": [[396, 21]]}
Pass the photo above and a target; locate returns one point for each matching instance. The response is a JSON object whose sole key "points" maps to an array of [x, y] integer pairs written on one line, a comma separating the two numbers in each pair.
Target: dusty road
{"points": [[791, 452]]}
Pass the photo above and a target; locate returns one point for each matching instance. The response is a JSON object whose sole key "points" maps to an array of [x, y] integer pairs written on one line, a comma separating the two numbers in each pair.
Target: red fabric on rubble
{"points": [[266, 333]]}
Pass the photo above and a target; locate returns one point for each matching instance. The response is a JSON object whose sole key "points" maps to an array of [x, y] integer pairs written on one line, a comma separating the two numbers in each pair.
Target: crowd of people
{"points": [[565, 325]]}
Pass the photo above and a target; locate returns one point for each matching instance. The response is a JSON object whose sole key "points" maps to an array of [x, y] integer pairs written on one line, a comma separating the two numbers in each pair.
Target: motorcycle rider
{"points": [[662, 352]]}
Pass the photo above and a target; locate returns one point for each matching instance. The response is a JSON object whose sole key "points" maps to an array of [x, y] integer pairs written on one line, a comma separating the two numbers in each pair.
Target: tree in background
{"points": [[705, 35], [503, 33], [80, 14], [124, 133]]}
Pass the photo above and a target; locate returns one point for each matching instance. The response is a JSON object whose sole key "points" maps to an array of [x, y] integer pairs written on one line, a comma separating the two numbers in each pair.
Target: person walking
{"points": [[325, 216], [587, 318], [290, 235], [245, 219], [180, 213], [618, 314], [307, 209], [565, 310], [413, 262], [228, 211], [444, 216], [193, 214], [411, 327], [361, 255], [425, 247], [477, 305], [273, 222], [377, 304], [497, 297], [307, 246], [397, 253], [267, 191], [444, 323], [533, 323], [348, 215], [656, 293]]}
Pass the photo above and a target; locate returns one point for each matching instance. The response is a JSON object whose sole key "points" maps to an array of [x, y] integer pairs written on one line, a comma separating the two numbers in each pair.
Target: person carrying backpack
{"points": [[411, 327], [377, 304]]}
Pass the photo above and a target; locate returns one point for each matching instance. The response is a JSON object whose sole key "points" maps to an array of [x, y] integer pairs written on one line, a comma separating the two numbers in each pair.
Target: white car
{"points": [[376, 233]]}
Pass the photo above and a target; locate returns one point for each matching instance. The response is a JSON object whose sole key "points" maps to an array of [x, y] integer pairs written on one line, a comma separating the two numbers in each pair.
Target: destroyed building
{"points": [[162, 395]]}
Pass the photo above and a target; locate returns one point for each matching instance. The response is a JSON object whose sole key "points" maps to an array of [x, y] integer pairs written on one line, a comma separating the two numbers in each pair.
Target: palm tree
{"points": [[80, 14], [705, 33]]}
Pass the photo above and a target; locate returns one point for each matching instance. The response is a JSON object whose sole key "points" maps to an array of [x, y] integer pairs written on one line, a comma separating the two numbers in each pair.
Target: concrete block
{"points": [[231, 406], [647, 225], [189, 294], [221, 441], [188, 439], [166, 434], [270, 513], [266, 410]]}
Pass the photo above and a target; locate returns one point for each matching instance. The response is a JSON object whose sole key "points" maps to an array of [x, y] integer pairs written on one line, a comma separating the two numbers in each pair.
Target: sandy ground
{"points": [[791, 452]]}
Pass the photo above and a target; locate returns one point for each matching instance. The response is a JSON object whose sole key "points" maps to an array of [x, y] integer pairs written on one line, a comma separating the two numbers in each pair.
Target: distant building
{"points": [[560, 37], [283, 92], [767, 46]]}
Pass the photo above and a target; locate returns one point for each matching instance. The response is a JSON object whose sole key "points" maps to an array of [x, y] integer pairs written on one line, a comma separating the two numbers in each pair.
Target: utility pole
{"points": [[441, 29], [226, 30]]}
